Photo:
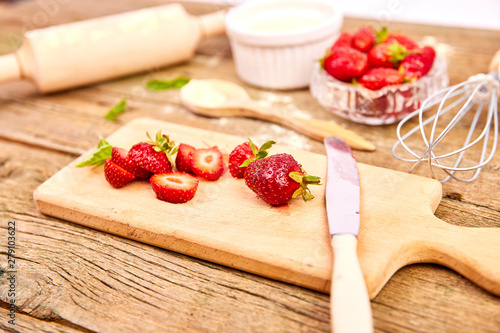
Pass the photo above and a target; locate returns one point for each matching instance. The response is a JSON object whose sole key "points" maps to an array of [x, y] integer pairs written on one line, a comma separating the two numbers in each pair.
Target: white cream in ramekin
{"points": [[276, 42]]}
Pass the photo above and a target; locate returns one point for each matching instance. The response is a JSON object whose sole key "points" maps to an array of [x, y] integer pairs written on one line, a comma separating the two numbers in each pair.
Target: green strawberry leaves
{"points": [[304, 180], [162, 143], [103, 152], [116, 110], [163, 85], [258, 153], [381, 35], [397, 52]]}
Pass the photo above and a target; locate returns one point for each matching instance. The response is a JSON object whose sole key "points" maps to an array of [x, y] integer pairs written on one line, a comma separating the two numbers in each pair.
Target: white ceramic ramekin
{"points": [[275, 43]]}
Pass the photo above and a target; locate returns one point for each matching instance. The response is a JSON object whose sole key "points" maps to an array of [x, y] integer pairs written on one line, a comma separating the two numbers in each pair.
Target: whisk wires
{"points": [[478, 93]]}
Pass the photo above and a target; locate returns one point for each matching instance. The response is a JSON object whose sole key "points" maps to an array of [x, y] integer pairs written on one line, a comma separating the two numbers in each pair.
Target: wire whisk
{"points": [[470, 106]]}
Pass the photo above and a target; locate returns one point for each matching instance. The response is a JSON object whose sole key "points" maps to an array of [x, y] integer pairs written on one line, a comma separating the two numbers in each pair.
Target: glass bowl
{"points": [[376, 107]]}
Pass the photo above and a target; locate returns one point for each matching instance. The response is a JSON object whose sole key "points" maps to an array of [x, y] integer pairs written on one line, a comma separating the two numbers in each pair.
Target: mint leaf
{"points": [[116, 110], [103, 152], [163, 85]]}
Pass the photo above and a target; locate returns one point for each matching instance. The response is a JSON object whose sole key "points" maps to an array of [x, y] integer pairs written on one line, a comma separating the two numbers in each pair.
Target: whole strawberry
{"points": [[417, 64], [154, 156], [344, 63], [278, 178], [379, 77], [363, 39], [344, 40], [242, 155], [405, 40], [388, 54]]}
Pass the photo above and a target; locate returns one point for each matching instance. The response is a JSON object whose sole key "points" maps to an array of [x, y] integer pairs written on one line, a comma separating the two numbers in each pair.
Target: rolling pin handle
{"points": [[9, 68], [212, 24]]}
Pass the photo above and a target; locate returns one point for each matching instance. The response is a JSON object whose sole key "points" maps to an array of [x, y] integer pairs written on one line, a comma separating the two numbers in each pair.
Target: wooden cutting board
{"points": [[225, 223]]}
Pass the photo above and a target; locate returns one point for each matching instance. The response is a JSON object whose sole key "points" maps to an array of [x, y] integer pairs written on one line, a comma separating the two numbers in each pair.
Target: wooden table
{"points": [[75, 279]]}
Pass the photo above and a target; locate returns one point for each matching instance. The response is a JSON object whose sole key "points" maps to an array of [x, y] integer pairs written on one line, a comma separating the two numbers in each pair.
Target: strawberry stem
{"points": [[163, 144], [304, 180]]}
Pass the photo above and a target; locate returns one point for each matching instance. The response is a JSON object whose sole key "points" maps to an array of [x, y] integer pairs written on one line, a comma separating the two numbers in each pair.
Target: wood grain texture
{"points": [[151, 286]]}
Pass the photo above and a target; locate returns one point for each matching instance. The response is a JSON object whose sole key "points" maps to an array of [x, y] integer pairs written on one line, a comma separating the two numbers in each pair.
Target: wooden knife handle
{"points": [[350, 304]]}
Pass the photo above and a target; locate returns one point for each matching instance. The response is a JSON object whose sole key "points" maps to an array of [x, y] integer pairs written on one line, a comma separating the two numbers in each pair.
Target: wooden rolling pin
{"points": [[80, 53]]}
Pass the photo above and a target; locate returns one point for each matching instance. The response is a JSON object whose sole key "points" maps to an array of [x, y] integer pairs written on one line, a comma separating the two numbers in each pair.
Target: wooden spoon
{"points": [[219, 98]]}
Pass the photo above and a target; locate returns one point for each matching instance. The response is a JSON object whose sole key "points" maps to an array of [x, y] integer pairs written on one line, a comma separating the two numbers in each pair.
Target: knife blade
{"points": [[350, 304]]}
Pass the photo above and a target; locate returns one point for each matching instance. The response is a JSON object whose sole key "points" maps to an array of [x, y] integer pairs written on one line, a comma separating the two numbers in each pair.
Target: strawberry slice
{"points": [[116, 175], [184, 158], [207, 163], [121, 158], [154, 155], [174, 187], [379, 77], [344, 63], [363, 39]]}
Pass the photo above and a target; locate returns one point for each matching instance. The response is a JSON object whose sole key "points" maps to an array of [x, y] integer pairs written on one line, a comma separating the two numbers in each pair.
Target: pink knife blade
{"points": [[350, 304], [342, 188]]}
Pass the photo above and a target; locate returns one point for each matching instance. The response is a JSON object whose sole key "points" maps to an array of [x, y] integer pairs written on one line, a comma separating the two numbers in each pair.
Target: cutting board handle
{"points": [[472, 252]]}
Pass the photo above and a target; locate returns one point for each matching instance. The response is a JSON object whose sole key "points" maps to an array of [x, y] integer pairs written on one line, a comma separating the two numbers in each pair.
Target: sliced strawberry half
{"points": [[120, 157], [116, 175], [184, 158], [174, 187], [207, 163]]}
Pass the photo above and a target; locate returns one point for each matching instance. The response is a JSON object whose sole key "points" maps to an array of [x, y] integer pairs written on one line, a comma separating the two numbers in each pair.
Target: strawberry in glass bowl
{"points": [[377, 77]]}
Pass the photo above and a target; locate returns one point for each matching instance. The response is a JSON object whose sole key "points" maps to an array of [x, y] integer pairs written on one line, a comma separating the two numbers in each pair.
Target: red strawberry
{"points": [[344, 40], [418, 64], [240, 154], [121, 158], [278, 178], [174, 187], [405, 40], [154, 156], [345, 63], [379, 77], [363, 39], [116, 175], [245, 153], [207, 163], [386, 54], [184, 158]]}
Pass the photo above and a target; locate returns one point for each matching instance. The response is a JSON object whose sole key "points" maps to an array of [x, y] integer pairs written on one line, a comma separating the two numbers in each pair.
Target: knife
{"points": [[350, 304]]}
